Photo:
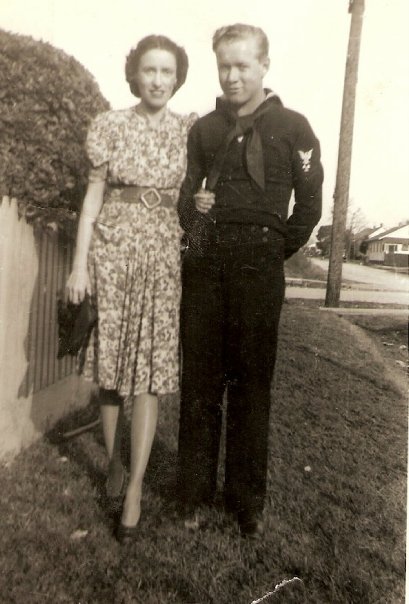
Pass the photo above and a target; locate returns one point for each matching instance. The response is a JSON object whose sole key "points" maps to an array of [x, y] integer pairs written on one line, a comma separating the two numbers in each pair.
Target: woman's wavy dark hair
{"points": [[149, 43]]}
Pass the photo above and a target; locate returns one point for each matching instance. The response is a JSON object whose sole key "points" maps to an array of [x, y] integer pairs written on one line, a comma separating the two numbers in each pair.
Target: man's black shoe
{"points": [[191, 515], [251, 526]]}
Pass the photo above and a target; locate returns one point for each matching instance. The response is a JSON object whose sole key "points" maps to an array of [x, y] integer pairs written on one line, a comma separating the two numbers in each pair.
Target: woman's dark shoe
{"points": [[126, 534], [115, 497], [130, 512], [115, 482]]}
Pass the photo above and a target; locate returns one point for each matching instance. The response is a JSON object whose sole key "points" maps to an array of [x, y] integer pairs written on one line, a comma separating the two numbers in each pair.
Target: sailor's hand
{"points": [[204, 200]]}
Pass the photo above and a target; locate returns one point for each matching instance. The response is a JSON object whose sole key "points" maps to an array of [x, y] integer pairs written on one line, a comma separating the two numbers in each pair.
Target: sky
{"points": [[308, 46]]}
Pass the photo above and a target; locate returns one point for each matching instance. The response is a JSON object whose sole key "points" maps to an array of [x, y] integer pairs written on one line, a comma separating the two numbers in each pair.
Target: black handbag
{"points": [[75, 324]]}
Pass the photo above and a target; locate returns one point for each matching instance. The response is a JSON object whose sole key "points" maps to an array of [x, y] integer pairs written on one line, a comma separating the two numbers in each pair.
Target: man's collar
{"points": [[223, 105], [245, 127]]}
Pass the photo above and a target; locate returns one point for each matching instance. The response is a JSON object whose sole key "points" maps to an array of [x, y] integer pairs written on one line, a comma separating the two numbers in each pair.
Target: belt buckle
{"points": [[150, 204]]}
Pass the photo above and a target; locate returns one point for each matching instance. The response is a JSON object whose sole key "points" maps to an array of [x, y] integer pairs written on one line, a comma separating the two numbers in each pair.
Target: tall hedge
{"points": [[47, 100]]}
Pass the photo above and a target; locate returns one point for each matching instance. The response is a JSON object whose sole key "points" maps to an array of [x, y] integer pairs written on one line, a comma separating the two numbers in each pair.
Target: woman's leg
{"points": [[143, 428], [112, 414]]}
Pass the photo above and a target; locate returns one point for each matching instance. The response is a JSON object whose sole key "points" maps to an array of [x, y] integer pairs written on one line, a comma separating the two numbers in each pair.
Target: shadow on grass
{"points": [[87, 452], [75, 449]]}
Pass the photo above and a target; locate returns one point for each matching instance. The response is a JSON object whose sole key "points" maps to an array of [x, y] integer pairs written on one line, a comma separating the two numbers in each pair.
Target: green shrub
{"points": [[47, 100]]}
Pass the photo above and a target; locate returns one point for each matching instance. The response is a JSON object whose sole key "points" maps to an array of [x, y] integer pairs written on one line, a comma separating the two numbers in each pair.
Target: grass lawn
{"points": [[300, 266], [336, 510]]}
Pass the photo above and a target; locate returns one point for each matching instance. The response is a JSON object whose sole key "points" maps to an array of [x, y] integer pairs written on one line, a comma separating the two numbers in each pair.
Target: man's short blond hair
{"points": [[240, 31]]}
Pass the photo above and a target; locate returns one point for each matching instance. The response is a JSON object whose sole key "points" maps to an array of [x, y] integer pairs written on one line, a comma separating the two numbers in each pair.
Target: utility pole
{"points": [[341, 194]]}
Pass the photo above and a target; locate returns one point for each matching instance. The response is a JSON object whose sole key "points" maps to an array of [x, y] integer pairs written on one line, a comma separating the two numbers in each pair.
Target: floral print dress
{"points": [[134, 257]]}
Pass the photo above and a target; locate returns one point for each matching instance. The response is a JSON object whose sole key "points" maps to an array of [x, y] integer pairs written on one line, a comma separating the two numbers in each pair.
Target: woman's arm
{"points": [[78, 282], [195, 173]]}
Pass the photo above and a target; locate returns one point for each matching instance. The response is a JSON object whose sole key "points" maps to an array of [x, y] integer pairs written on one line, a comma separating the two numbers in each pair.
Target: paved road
{"points": [[375, 277]]}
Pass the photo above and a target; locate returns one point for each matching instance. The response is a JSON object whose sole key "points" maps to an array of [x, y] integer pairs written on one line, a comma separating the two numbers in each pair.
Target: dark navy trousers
{"points": [[231, 301]]}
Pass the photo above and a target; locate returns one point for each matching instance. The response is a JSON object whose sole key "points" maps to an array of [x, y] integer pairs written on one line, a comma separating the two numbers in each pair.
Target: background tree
{"points": [[47, 100], [356, 223]]}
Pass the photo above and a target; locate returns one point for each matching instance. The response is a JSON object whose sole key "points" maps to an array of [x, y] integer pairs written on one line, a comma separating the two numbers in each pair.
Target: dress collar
{"points": [[138, 110]]}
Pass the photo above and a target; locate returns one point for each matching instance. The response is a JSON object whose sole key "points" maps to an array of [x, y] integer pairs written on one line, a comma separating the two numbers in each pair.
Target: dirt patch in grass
{"points": [[385, 329], [389, 334], [335, 513]]}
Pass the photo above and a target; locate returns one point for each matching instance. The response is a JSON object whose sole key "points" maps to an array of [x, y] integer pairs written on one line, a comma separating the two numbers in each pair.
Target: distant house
{"points": [[357, 239], [389, 247]]}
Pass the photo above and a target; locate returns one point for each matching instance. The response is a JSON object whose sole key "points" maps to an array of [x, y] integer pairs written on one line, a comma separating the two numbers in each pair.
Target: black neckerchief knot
{"points": [[243, 126]]}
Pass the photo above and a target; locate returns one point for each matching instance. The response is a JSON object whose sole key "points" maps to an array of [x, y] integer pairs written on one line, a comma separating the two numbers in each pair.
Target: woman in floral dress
{"points": [[128, 256]]}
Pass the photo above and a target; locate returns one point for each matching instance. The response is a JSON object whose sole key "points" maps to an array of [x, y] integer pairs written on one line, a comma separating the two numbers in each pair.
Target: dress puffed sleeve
{"points": [[98, 147]]}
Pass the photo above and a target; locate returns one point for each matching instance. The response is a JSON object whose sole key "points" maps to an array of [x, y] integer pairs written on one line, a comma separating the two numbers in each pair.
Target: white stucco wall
{"points": [[24, 417]]}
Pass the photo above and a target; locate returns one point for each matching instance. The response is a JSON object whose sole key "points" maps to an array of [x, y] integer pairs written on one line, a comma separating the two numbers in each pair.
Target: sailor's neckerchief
{"points": [[243, 126]]}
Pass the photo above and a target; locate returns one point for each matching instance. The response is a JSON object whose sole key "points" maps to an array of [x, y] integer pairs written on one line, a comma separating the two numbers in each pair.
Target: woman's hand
{"points": [[78, 284], [204, 200]]}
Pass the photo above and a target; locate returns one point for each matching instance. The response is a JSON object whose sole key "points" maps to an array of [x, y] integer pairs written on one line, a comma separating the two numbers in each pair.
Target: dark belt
{"points": [[234, 234], [149, 196]]}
